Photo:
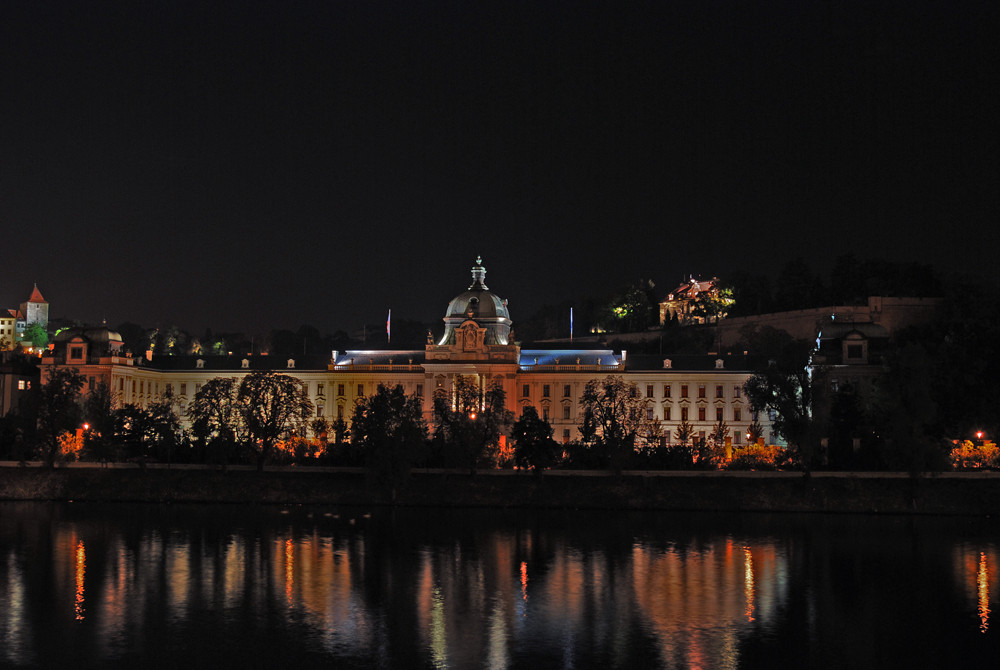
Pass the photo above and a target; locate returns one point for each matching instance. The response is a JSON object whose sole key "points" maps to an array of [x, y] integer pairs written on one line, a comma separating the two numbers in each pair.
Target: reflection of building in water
{"points": [[15, 626], [312, 575], [466, 604], [698, 601], [81, 571], [976, 573]]}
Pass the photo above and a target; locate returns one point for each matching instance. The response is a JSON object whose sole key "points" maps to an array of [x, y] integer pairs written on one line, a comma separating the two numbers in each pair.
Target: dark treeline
{"points": [[306, 340], [635, 307]]}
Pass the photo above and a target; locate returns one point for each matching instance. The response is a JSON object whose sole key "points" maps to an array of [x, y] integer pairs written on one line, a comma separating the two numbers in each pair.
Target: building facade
{"points": [[477, 344], [680, 303]]}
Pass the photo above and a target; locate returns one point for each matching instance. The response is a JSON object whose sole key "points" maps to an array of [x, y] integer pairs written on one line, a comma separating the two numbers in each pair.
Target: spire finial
{"points": [[478, 275]]}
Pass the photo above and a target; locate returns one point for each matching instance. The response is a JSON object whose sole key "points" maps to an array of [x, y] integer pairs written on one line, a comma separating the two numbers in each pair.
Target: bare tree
{"points": [[58, 408], [613, 409], [215, 414], [272, 406]]}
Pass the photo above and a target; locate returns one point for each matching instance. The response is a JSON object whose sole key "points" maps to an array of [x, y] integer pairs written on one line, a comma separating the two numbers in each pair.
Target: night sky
{"points": [[256, 165]]}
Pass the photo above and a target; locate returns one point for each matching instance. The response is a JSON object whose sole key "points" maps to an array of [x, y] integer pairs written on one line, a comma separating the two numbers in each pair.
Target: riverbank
{"points": [[867, 492]]}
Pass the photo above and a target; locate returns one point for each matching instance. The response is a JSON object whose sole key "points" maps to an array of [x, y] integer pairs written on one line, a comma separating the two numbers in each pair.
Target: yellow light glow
{"points": [[983, 589], [748, 583], [524, 582], [81, 568], [289, 569]]}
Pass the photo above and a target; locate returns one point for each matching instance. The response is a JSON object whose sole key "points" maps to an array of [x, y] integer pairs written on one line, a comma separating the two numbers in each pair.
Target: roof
{"points": [[530, 357], [695, 362], [36, 296], [840, 329]]}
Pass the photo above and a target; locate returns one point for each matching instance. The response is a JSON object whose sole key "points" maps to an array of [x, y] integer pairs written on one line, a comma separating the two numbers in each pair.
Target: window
{"points": [[142, 387], [737, 414], [566, 391], [76, 353], [701, 436], [701, 390], [340, 412], [361, 390], [121, 385], [632, 391], [565, 435], [737, 391], [545, 390], [197, 387], [666, 390], [718, 391], [545, 413], [525, 390], [90, 384], [701, 413], [718, 414], [649, 413], [684, 413], [184, 388], [649, 390], [420, 390], [566, 411], [319, 389], [854, 351], [21, 385], [834, 385], [133, 387], [684, 390], [340, 389], [666, 414], [319, 410], [771, 415], [738, 437]]}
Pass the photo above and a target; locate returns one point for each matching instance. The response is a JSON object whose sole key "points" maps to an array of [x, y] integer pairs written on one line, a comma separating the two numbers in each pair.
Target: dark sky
{"points": [[251, 165]]}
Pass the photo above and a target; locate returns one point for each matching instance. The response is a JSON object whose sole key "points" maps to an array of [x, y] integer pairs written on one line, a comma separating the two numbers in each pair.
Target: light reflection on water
{"points": [[430, 588]]}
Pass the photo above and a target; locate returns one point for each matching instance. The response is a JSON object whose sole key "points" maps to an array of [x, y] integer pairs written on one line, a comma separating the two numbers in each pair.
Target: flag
{"points": [[570, 323], [388, 327]]}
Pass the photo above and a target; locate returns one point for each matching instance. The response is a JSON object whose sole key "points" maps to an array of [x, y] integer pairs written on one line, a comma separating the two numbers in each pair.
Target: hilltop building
{"points": [[477, 343], [35, 309], [13, 321], [680, 303]]}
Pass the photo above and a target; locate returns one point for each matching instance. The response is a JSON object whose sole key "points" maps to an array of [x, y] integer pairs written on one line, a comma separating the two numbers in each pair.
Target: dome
{"points": [[481, 305], [101, 334]]}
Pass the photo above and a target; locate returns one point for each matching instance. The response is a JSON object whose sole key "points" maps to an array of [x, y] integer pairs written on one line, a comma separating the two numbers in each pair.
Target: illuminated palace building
{"points": [[477, 343]]}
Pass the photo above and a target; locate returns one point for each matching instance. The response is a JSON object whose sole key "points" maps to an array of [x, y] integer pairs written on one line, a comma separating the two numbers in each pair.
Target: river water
{"points": [[94, 586]]}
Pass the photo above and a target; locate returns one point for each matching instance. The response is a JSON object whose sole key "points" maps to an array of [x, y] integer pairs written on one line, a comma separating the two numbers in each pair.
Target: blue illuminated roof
{"points": [[380, 357], [568, 357]]}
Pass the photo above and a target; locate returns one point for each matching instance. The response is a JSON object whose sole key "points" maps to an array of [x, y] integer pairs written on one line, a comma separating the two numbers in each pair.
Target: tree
{"points": [[684, 432], [635, 307], [215, 413], [533, 443], [272, 406], [473, 420], [99, 415], [755, 430], [389, 427], [712, 305], [145, 429], [58, 408], [614, 407], [787, 395], [797, 287], [714, 453], [36, 334]]}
